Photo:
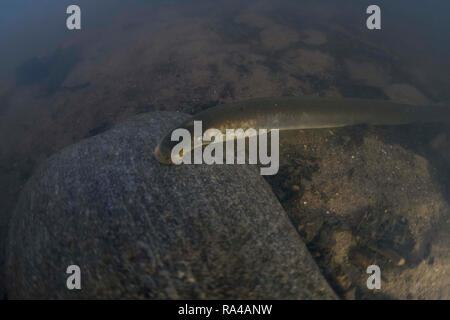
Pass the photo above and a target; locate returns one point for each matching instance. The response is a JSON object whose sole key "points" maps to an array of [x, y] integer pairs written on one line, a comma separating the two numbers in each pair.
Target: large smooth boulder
{"points": [[138, 229]]}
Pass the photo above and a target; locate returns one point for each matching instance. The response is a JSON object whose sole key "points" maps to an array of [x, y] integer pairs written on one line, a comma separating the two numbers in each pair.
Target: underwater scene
{"points": [[345, 193]]}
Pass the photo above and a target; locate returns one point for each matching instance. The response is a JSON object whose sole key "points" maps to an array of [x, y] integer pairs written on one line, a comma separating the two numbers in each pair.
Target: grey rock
{"points": [[138, 229]]}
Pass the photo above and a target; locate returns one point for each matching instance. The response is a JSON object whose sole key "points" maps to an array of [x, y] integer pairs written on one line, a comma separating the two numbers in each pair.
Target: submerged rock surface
{"points": [[138, 229], [372, 195]]}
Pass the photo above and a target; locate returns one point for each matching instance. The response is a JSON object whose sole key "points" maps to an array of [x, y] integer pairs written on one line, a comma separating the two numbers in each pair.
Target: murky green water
{"points": [[58, 87]]}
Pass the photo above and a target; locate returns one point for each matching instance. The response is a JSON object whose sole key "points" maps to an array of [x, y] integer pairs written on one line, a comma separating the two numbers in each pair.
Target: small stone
{"points": [[344, 281]]}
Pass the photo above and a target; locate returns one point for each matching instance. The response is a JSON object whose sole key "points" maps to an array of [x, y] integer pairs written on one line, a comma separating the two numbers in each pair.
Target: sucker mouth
{"points": [[159, 156]]}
